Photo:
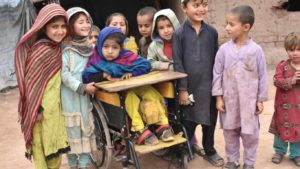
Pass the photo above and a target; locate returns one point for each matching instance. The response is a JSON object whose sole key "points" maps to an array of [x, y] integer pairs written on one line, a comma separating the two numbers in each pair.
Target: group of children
{"points": [[64, 54]]}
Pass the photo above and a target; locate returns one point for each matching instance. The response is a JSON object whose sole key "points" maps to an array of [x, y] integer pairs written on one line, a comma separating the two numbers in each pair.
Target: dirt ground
{"points": [[12, 143]]}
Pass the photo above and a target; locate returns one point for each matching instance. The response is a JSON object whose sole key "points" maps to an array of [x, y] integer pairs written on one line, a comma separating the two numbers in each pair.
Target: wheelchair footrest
{"points": [[143, 149]]}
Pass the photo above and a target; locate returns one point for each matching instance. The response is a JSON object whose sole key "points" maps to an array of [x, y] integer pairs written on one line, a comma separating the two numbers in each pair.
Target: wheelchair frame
{"points": [[104, 130]]}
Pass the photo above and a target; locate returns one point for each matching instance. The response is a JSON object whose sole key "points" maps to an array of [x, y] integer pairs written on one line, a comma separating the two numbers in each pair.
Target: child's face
{"points": [[119, 22], [82, 26], [57, 30], [196, 10], [93, 37], [145, 25], [111, 49], [165, 29], [234, 27], [294, 55]]}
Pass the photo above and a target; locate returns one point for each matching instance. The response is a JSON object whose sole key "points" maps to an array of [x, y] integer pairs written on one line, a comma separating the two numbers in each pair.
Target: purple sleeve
{"points": [[217, 89], [138, 72], [263, 77]]}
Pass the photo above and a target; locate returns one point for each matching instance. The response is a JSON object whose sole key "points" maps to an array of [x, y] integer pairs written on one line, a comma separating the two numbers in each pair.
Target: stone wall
{"points": [[270, 27]]}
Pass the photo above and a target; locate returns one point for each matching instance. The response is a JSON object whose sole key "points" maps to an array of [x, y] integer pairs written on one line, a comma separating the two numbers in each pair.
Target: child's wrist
{"points": [[81, 88], [219, 97]]}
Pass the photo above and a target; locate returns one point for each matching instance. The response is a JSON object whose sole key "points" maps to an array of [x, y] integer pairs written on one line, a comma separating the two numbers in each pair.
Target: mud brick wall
{"points": [[270, 27]]}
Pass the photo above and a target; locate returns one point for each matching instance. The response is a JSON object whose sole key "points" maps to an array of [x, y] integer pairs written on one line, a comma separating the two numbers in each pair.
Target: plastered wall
{"points": [[270, 27]]}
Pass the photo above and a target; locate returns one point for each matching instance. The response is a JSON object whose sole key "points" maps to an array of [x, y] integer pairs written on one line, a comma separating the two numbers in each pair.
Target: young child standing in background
{"points": [[165, 23], [241, 86], [119, 20], [94, 35], [144, 21], [195, 45], [76, 104], [285, 122]]}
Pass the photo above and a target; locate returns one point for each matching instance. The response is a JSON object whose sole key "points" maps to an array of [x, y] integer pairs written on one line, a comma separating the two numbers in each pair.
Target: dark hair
{"points": [[95, 28], [109, 18], [41, 34], [118, 37], [148, 10], [292, 41], [72, 20], [160, 18], [184, 2], [245, 14]]}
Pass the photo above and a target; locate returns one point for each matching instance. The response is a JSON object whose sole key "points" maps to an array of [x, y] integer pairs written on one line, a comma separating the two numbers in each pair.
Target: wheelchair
{"points": [[112, 124]]}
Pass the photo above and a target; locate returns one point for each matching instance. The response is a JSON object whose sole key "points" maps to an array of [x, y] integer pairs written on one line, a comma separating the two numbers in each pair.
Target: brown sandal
{"points": [[198, 150], [277, 158], [297, 161], [231, 165], [215, 160]]}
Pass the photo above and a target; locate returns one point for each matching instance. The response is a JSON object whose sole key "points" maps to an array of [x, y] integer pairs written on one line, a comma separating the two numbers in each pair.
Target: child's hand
{"points": [[220, 105], [259, 107], [184, 98], [296, 77], [39, 117], [106, 75], [113, 79], [126, 76], [109, 78], [90, 88]]}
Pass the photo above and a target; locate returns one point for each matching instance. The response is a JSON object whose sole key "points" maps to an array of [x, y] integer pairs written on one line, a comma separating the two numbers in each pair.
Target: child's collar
{"points": [[202, 24], [244, 43]]}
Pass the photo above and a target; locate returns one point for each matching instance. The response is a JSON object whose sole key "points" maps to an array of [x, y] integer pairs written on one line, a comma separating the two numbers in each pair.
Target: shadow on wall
{"points": [[289, 5]]}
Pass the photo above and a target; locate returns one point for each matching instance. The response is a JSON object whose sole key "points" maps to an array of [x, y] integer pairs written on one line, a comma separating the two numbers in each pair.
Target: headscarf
{"points": [[172, 18], [126, 62], [80, 45], [36, 62]]}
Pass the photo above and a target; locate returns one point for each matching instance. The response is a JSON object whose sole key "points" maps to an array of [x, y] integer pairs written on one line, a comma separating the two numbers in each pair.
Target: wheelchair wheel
{"points": [[161, 153], [184, 161], [103, 156], [179, 160]]}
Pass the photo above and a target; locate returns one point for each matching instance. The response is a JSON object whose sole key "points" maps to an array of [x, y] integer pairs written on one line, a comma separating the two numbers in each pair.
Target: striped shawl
{"points": [[36, 62]]}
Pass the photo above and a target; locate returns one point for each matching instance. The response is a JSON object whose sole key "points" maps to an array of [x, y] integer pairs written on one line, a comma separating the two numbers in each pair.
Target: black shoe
{"points": [[196, 149], [231, 165], [246, 166]]}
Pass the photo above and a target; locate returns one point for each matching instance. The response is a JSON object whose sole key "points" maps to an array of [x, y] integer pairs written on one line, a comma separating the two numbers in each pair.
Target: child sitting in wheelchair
{"points": [[144, 105]]}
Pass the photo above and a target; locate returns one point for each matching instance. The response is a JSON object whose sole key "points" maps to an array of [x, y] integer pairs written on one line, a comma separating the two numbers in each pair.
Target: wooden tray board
{"points": [[143, 149], [147, 79]]}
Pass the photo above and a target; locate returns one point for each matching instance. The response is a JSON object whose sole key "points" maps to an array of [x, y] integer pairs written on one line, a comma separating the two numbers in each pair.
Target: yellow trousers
{"points": [[38, 154], [132, 104]]}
